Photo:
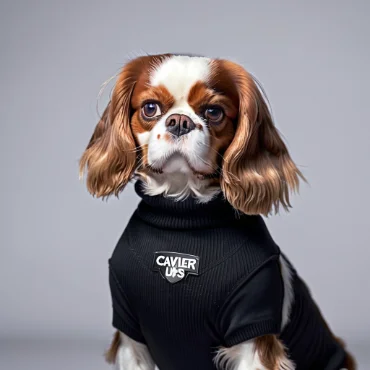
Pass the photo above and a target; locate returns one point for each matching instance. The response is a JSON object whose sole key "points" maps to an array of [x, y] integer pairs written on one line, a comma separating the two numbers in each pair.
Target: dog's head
{"points": [[190, 125]]}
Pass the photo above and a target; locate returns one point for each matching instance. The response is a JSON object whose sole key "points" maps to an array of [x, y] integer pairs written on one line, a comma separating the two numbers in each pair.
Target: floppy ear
{"points": [[258, 172], [110, 157]]}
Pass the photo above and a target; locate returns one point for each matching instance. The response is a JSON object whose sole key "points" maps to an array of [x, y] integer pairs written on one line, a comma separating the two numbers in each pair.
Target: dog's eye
{"points": [[151, 110], [214, 114]]}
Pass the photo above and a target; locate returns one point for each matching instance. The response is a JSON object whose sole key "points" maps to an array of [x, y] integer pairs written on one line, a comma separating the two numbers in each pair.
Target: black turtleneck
{"points": [[187, 278]]}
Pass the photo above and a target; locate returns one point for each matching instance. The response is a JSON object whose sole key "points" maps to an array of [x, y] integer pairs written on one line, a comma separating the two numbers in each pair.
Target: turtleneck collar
{"points": [[167, 213]]}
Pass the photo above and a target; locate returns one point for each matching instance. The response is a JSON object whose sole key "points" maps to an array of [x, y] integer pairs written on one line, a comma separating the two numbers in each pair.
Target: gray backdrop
{"points": [[312, 58]]}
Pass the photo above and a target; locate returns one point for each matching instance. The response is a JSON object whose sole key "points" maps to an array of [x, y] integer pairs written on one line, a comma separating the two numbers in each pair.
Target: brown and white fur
{"points": [[238, 151]]}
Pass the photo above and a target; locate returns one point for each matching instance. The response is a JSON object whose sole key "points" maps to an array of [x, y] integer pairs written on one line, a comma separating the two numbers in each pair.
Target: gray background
{"points": [[312, 57]]}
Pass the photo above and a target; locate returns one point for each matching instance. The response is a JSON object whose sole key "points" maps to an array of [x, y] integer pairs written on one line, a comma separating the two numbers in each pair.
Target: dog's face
{"points": [[190, 125], [180, 119]]}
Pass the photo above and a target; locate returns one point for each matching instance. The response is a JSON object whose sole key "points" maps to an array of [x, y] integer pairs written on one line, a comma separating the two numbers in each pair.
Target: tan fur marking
{"points": [[148, 93], [167, 137], [270, 350], [199, 95]]}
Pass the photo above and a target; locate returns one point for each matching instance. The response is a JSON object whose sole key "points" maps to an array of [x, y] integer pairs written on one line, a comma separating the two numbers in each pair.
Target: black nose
{"points": [[179, 124]]}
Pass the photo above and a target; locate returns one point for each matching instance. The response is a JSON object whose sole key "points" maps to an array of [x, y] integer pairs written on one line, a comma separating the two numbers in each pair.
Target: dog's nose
{"points": [[179, 124]]}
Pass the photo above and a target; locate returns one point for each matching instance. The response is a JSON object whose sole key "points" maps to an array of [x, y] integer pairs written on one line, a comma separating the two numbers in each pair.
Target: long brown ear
{"points": [[110, 157], [258, 172]]}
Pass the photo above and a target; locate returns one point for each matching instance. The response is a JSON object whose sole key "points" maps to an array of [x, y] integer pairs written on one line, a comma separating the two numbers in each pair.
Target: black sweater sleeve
{"points": [[254, 307], [124, 318]]}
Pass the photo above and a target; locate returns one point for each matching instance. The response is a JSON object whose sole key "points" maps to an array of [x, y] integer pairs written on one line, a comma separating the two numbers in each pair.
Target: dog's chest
{"points": [[169, 273], [164, 270]]}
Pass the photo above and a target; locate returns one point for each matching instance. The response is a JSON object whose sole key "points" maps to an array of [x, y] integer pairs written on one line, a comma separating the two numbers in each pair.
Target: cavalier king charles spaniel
{"points": [[194, 127]]}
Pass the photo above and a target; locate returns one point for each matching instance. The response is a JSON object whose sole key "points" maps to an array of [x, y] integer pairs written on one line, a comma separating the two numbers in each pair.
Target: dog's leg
{"points": [[263, 353], [128, 354]]}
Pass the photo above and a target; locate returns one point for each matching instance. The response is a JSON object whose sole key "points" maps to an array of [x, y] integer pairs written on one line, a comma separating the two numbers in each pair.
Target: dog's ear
{"points": [[110, 157], [258, 172]]}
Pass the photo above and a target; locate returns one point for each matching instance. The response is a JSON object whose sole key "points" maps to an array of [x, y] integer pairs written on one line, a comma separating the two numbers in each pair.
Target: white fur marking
{"points": [[241, 357], [179, 73], [143, 138], [133, 355], [287, 276], [245, 357], [179, 186]]}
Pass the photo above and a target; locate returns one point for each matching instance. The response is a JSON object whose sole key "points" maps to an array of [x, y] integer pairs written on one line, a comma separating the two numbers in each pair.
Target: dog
{"points": [[196, 279]]}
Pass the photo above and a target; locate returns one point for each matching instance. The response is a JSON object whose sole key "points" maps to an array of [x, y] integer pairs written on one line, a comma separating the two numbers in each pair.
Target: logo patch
{"points": [[175, 266]]}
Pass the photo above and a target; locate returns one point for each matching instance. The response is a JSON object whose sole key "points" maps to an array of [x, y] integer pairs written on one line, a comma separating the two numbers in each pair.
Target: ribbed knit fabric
{"points": [[235, 293]]}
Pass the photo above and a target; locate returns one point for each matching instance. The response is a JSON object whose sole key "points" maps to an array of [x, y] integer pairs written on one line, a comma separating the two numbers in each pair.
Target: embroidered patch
{"points": [[175, 266]]}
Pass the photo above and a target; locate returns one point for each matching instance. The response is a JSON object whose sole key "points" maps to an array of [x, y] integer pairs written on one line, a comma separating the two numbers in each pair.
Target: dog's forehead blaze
{"points": [[178, 74]]}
